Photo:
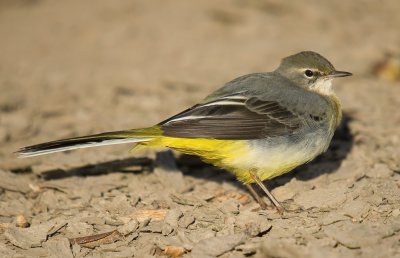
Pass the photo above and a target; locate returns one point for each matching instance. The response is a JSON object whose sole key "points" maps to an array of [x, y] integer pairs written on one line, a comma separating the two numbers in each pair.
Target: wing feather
{"points": [[234, 117]]}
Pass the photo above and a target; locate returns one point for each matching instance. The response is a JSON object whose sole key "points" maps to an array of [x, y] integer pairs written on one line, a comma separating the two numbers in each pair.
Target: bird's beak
{"points": [[339, 74]]}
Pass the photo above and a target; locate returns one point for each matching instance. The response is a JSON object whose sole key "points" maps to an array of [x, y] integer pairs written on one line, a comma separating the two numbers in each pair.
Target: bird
{"points": [[257, 126]]}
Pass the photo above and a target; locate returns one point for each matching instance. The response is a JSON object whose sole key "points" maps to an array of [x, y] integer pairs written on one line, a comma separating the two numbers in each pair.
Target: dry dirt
{"points": [[70, 68]]}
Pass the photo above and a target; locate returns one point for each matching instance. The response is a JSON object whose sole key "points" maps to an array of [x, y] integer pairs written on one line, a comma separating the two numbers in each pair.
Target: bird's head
{"points": [[311, 71]]}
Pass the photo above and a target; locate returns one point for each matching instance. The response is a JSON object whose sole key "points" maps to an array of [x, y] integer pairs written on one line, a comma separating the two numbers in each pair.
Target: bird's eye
{"points": [[309, 73]]}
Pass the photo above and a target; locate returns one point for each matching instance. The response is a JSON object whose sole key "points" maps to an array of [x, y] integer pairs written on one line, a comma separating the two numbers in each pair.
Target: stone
{"points": [[59, 248], [216, 246]]}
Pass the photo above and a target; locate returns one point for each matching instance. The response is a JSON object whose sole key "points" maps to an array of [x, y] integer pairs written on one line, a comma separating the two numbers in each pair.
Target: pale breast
{"points": [[275, 156]]}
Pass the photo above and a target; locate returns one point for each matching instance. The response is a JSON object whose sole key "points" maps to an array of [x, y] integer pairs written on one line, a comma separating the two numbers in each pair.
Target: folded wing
{"points": [[235, 117]]}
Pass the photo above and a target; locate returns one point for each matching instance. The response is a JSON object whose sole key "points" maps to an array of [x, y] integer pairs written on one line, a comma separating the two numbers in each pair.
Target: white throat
{"points": [[323, 86]]}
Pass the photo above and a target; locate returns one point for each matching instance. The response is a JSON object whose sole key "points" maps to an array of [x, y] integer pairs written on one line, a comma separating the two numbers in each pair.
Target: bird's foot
{"points": [[277, 205]]}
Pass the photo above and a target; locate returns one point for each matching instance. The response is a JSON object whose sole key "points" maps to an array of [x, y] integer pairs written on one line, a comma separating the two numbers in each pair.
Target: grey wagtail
{"points": [[257, 126]]}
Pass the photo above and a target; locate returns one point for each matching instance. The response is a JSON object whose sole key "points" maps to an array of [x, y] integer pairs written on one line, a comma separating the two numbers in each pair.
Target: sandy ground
{"points": [[70, 68]]}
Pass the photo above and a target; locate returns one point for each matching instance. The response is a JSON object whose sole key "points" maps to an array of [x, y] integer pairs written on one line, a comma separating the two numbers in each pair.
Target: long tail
{"points": [[102, 139]]}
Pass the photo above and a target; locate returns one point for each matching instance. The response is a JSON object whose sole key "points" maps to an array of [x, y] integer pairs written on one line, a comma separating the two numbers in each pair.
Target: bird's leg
{"points": [[278, 206], [256, 196]]}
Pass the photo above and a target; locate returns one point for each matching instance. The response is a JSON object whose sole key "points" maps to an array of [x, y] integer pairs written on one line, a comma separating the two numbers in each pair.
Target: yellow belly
{"points": [[237, 156]]}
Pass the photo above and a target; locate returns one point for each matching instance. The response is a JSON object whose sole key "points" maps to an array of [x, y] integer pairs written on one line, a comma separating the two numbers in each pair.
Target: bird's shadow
{"points": [[326, 163], [128, 165]]}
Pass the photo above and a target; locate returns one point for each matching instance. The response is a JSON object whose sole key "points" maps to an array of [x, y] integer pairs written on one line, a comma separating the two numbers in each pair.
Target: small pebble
{"points": [[21, 222]]}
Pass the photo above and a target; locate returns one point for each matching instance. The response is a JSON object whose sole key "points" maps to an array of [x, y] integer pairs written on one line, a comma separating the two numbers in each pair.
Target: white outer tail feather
{"points": [[33, 153]]}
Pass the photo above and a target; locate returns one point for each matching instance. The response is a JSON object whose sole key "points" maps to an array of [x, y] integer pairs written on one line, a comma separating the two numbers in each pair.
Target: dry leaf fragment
{"points": [[97, 240], [174, 251], [185, 201], [143, 215]]}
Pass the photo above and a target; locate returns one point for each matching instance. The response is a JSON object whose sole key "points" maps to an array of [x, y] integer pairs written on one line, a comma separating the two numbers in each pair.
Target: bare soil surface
{"points": [[70, 68]]}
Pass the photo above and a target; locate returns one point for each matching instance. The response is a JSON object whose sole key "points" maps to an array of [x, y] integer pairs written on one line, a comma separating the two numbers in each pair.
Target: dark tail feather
{"points": [[81, 142]]}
